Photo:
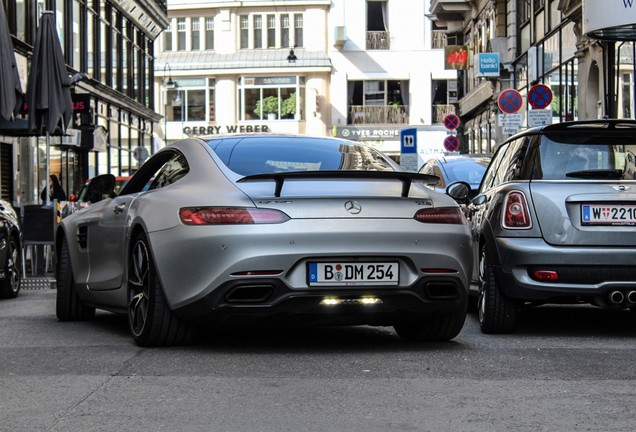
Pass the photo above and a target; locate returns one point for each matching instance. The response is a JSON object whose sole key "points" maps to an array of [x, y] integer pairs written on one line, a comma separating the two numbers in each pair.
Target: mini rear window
{"points": [[584, 156]]}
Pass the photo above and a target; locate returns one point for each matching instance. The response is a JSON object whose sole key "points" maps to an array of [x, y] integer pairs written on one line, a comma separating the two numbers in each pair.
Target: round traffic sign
{"points": [[540, 96], [451, 121], [509, 101], [451, 143]]}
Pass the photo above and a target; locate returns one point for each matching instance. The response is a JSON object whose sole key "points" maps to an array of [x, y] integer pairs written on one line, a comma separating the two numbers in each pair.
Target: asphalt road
{"points": [[565, 369]]}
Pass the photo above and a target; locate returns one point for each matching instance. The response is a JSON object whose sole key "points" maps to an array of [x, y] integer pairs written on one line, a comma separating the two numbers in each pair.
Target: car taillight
{"points": [[448, 215], [516, 213], [230, 215]]}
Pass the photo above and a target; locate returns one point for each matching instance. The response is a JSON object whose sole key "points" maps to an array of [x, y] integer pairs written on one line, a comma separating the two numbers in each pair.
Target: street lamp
{"points": [[169, 83]]}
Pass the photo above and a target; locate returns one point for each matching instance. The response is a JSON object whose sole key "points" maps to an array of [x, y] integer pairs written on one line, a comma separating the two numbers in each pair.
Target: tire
{"points": [[496, 313], [10, 286], [68, 306], [436, 326], [150, 320]]}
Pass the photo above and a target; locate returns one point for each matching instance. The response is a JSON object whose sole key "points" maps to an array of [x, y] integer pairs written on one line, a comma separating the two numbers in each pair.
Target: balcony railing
{"points": [[378, 114], [441, 111], [378, 40]]}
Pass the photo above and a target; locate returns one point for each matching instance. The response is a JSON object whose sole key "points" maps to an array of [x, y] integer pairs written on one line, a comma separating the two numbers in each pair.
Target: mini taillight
{"points": [[230, 215], [447, 215], [515, 215]]}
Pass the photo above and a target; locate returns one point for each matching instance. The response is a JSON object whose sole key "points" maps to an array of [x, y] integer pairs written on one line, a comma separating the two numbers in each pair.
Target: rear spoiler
{"points": [[405, 177]]}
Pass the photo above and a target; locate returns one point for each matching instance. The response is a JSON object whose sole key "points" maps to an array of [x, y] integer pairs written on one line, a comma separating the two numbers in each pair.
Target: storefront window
{"points": [[271, 98], [189, 99]]}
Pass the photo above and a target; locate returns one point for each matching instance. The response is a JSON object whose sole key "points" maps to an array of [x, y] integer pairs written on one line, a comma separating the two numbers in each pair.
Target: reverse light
{"points": [[230, 216], [516, 215], [545, 275], [446, 215]]}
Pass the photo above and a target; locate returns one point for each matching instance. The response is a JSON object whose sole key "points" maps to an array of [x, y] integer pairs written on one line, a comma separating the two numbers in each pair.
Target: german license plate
{"points": [[352, 274], [608, 214]]}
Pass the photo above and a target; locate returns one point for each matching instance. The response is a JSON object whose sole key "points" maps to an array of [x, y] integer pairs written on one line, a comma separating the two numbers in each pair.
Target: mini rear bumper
{"points": [[581, 271]]}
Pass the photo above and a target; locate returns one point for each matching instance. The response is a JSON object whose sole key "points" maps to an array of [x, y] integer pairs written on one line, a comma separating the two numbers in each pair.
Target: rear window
{"points": [[262, 155], [583, 156]]}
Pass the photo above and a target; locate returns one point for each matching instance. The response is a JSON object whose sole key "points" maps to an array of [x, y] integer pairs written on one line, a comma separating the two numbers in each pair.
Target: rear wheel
{"points": [[496, 313], [150, 320], [436, 326], [68, 306], [10, 286]]}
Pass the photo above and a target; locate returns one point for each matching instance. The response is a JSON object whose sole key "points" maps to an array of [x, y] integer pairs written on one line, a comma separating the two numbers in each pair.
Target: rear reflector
{"points": [[448, 215], [230, 215], [545, 275], [438, 270]]}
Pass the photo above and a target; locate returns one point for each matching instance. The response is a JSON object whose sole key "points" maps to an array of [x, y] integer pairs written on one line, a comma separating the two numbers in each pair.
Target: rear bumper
{"points": [[246, 301], [583, 272]]}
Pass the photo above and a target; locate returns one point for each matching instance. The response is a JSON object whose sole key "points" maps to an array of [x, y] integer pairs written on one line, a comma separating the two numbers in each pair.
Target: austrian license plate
{"points": [[351, 274], [608, 214]]}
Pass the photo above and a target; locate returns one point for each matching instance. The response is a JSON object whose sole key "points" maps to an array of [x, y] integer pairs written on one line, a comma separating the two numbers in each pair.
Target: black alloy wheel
{"points": [[496, 313], [10, 286], [150, 320]]}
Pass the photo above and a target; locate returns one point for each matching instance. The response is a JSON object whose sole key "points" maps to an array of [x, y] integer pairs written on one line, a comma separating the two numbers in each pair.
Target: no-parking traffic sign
{"points": [[510, 101], [451, 143], [540, 96], [451, 121]]}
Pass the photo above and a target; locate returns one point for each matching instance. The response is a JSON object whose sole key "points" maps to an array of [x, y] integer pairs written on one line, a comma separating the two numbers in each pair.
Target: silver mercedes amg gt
{"points": [[280, 228]]}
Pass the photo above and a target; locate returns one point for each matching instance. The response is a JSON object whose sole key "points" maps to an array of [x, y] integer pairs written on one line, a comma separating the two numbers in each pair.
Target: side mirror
{"points": [[100, 187], [459, 191]]}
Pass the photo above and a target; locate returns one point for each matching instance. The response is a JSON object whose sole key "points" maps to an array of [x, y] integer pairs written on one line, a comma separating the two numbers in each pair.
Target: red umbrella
{"points": [[10, 88], [48, 89]]}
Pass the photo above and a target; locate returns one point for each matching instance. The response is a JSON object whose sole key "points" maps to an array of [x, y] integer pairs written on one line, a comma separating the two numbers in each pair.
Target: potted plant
{"points": [[269, 105], [288, 107]]}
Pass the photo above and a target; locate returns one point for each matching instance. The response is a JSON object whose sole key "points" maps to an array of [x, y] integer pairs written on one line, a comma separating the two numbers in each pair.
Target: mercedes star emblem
{"points": [[353, 207]]}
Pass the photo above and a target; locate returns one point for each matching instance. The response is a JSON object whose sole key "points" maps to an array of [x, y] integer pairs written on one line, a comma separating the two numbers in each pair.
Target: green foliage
{"points": [[289, 105], [269, 105]]}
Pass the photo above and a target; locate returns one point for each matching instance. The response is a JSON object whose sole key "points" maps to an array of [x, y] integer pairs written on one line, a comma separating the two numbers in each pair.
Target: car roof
{"points": [[599, 124], [461, 158]]}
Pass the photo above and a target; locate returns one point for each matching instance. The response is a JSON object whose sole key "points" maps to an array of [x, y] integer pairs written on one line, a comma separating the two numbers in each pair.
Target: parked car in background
{"points": [[469, 168], [555, 221], [10, 251], [267, 227], [83, 197]]}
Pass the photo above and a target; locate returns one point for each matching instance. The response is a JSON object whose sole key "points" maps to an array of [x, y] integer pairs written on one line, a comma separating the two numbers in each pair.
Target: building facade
{"points": [[388, 74], [108, 47], [358, 69], [539, 42], [252, 66]]}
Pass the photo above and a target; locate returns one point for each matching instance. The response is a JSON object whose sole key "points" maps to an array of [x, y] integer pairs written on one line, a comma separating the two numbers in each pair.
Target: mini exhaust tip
{"points": [[631, 297], [617, 297]]}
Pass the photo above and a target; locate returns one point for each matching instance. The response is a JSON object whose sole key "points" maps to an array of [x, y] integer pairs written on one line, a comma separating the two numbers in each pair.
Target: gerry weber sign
{"points": [[609, 19], [225, 129]]}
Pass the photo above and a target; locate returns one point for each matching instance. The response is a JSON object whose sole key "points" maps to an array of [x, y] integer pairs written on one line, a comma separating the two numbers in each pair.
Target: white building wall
{"points": [[410, 57]]}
